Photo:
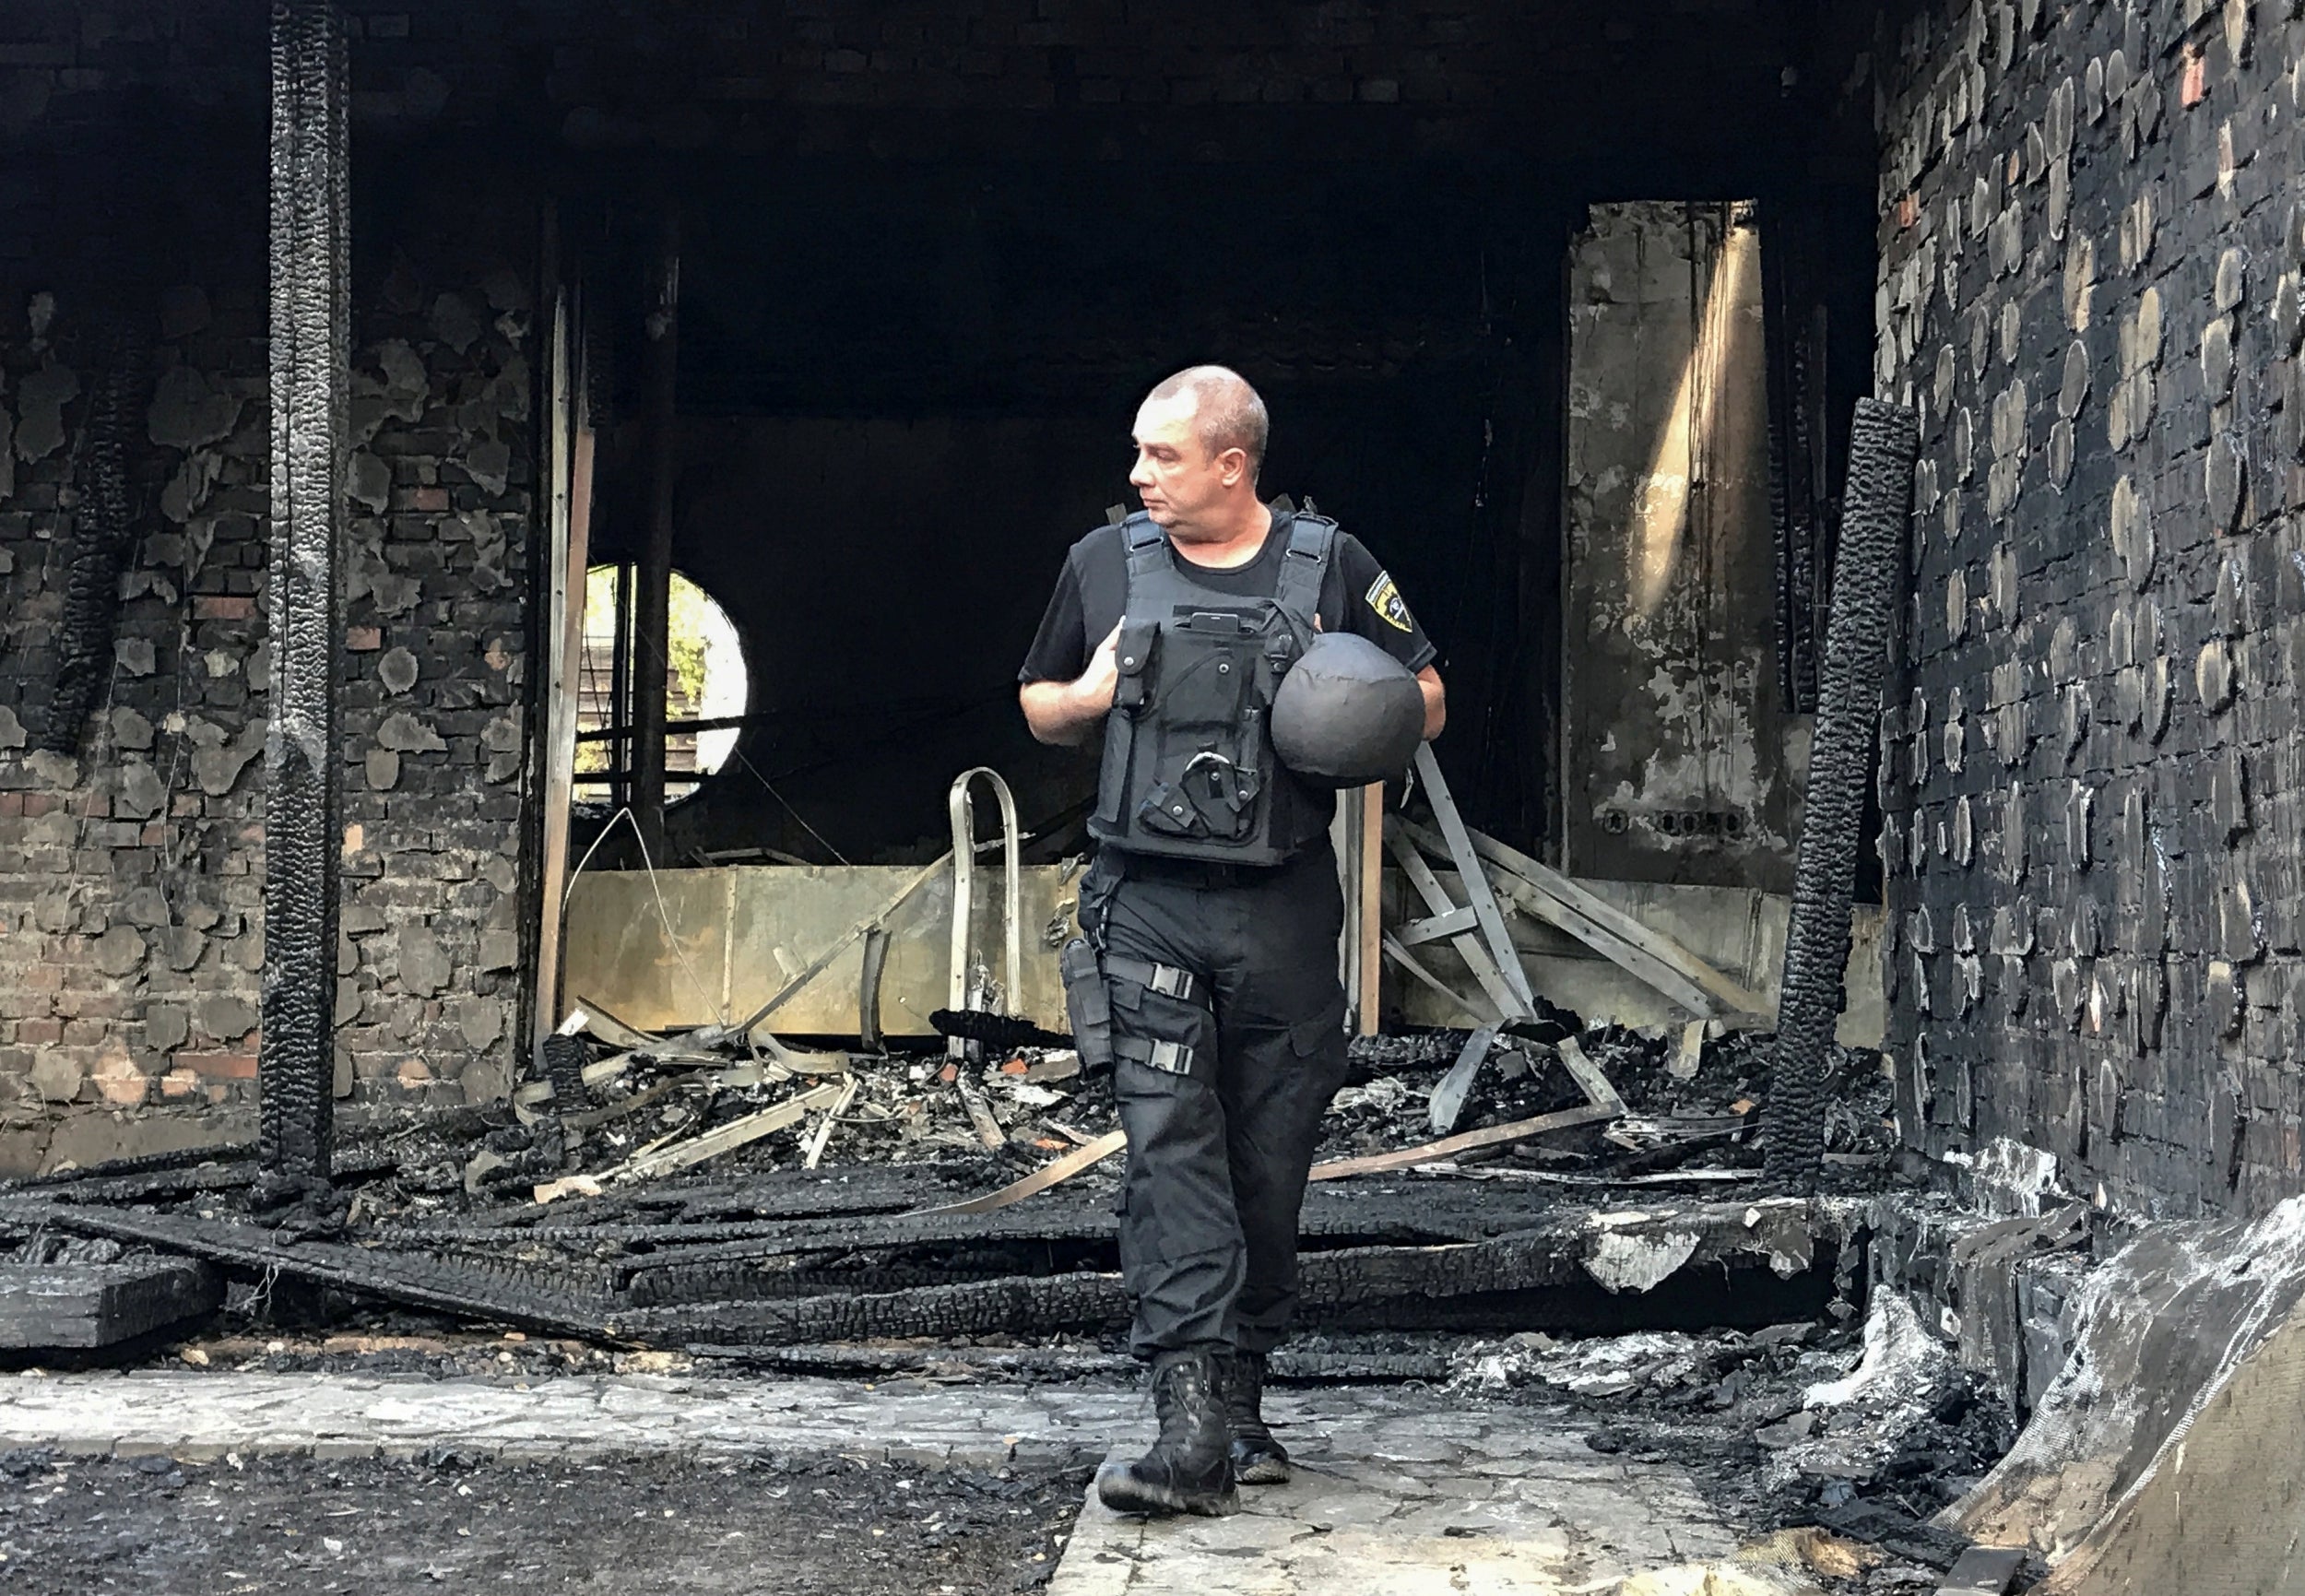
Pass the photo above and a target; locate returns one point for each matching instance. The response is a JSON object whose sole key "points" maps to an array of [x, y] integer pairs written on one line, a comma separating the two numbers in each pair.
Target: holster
{"points": [[1087, 1003]]}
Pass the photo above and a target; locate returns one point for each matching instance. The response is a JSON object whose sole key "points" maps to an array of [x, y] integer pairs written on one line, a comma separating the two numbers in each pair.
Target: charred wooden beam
{"points": [[1013, 1304], [1563, 1264], [1624, 1256], [1052, 1362], [1882, 447], [560, 1299], [83, 1305], [310, 249], [834, 1216]]}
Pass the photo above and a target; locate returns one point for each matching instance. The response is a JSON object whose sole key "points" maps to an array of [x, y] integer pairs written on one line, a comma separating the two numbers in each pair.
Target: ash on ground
{"points": [[1864, 1430]]}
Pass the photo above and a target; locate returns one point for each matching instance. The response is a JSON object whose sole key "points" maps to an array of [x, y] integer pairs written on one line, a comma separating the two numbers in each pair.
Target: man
{"points": [[1214, 902]]}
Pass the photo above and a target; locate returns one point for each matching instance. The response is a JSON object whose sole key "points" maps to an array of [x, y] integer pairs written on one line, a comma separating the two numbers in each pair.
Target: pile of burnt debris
{"points": [[703, 1190], [730, 1188], [1856, 1429]]}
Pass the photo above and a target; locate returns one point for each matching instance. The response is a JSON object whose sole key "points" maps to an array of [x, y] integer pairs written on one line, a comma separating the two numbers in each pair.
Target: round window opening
{"points": [[706, 689]]}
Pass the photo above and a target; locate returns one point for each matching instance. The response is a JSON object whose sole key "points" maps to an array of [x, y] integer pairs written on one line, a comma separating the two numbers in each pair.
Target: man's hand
{"points": [[1062, 712], [1102, 679], [1435, 702]]}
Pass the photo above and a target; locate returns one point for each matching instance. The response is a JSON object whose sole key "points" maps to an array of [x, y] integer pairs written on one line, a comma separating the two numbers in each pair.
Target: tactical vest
{"points": [[1190, 771]]}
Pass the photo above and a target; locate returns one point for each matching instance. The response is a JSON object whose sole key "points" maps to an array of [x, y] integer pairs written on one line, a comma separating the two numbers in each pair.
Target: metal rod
{"points": [[962, 812], [620, 693], [652, 617]]}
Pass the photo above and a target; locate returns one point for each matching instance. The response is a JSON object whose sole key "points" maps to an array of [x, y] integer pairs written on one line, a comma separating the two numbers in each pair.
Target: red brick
{"points": [[39, 1033], [363, 639], [37, 804], [219, 1066], [429, 499], [154, 835], [11, 805], [223, 606]]}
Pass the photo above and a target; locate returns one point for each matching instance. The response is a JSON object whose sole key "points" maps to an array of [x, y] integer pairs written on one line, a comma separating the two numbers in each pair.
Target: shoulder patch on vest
{"points": [[1384, 599]]}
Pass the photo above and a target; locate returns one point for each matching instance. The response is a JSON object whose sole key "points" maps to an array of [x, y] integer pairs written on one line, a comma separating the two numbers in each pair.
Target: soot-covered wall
{"points": [[134, 371], [2089, 288], [1682, 763]]}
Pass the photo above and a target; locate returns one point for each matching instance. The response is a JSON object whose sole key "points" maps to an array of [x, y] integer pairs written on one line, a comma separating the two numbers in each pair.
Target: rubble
{"points": [[714, 1195]]}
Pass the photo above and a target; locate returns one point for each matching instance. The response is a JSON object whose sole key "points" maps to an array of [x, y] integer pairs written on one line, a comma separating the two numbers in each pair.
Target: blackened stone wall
{"points": [[2089, 288], [131, 865], [131, 871]]}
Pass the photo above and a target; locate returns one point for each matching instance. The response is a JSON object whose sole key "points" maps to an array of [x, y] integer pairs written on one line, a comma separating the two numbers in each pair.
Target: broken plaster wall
{"points": [[131, 900], [2089, 291]]}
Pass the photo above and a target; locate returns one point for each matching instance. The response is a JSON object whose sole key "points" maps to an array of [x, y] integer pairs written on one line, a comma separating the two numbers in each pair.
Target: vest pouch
{"points": [[1208, 675], [1132, 656], [1133, 653]]}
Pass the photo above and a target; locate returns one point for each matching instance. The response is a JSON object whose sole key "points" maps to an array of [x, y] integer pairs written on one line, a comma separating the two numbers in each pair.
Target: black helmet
{"points": [[1347, 712]]}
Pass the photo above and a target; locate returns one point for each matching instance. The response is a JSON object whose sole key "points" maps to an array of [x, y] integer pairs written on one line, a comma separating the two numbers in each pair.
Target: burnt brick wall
{"points": [[443, 488], [131, 876], [2089, 288], [131, 902]]}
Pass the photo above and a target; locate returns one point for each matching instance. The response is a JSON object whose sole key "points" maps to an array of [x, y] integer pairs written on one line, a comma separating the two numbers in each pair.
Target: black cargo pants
{"points": [[1222, 1081]]}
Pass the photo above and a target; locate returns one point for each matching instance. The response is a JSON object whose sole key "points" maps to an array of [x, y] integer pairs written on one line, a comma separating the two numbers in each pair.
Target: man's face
{"points": [[1181, 484]]}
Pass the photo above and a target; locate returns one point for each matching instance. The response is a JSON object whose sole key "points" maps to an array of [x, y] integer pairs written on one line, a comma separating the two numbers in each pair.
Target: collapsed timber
{"points": [[683, 1196]]}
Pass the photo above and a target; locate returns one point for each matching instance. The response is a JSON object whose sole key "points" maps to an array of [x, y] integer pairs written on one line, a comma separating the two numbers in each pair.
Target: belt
{"points": [[1206, 874]]}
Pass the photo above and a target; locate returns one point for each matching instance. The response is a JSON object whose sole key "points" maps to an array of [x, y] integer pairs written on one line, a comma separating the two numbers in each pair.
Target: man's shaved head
{"points": [[1227, 414]]}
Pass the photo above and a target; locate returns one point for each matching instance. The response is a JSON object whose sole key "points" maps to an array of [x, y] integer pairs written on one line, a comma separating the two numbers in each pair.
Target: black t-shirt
{"points": [[1356, 596]]}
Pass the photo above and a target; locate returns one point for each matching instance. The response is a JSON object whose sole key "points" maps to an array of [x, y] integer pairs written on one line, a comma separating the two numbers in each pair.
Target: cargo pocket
{"points": [[1319, 1045]]}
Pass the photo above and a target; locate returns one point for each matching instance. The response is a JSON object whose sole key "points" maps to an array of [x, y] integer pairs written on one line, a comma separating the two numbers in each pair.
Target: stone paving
{"points": [[1422, 1502], [1402, 1491], [571, 1418]]}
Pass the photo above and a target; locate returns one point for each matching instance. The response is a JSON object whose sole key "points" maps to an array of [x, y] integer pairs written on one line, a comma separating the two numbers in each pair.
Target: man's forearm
{"points": [[1061, 714], [1435, 702]]}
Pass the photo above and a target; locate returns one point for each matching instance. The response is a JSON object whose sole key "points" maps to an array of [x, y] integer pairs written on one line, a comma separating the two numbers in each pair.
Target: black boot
{"points": [[1187, 1470], [1258, 1459]]}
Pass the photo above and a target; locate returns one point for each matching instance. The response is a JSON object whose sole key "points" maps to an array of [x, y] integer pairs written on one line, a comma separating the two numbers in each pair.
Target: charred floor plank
{"points": [[1624, 1255], [557, 1301]]}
